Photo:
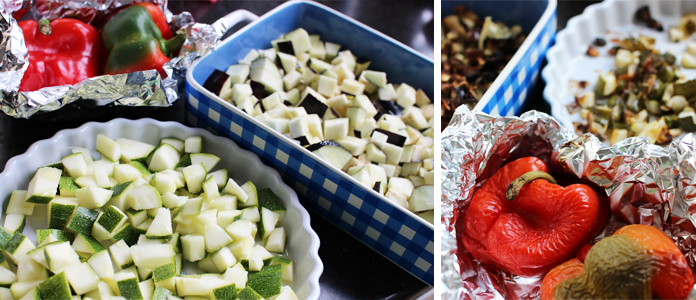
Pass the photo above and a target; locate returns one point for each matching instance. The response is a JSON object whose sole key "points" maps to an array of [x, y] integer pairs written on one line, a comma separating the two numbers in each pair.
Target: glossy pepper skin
{"points": [[672, 279], [135, 42], [68, 55], [543, 226]]}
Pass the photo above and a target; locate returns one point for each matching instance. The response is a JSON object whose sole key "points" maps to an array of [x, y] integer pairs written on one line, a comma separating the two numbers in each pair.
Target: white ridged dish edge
{"points": [[242, 165], [567, 59]]}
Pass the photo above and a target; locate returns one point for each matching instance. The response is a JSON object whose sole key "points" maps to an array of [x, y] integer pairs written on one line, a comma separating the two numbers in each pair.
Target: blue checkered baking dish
{"points": [[511, 89], [391, 230]]}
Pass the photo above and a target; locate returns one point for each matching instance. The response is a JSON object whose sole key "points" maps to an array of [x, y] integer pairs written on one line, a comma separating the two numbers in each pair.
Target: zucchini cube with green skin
{"points": [[147, 288], [18, 205], [42, 188], [30, 270], [59, 212], [134, 150], [82, 220], [210, 188], [144, 197], [225, 218], [15, 222], [192, 207], [268, 222], [164, 183], [126, 233], [56, 287], [193, 144], [250, 190], [16, 249], [3, 261], [82, 278], [194, 176], [121, 255], [171, 200], [108, 148], [5, 237], [143, 227], [45, 236], [126, 172], [67, 186], [101, 264], [249, 294], [286, 266], [19, 289], [276, 240], [193, 247], [120, 191], [93, 197], [237, 275], [208, 160], [7, 277], [163, 276], [152, 256], [175, 241], [86, 244], [136, 217], [207, 265], [232, 188], [144, 171], [220, 177], [216, 238], [185, 161], [269, 200], [75, 165], [225, 292], [165, 157], [251, 214], [162, 293], [107, 222], [128, 284], [60, 256], [266, 282], [161, 227]]}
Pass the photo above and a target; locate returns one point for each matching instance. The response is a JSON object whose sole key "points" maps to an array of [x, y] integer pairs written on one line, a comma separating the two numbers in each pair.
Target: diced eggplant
{"points": [[215, 81], [392, 138], [286, 47]]}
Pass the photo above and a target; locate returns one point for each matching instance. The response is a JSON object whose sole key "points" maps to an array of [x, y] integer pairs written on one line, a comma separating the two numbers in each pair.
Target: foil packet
{"points": [[645, 184], [145, 88]]}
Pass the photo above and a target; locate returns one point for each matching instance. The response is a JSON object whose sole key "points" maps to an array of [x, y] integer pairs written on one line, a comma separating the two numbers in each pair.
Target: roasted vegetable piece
{"points": [[135, 43], [65, 51], [637, 262], [543, 225]]}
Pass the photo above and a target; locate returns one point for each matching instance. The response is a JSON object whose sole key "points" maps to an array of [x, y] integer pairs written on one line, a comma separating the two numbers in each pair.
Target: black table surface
{"points": [[351, 269]]}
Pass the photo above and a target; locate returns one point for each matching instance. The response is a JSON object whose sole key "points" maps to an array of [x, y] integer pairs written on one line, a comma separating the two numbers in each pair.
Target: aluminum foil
{"points": [[639, 178], [145, 88]]}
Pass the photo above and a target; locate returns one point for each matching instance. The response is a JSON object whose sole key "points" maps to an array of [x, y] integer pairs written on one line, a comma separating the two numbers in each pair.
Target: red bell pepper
{"points": [[536, 226], [64, 51]]}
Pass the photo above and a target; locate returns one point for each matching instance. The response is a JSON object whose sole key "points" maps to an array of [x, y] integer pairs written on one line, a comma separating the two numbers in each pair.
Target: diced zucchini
{"points": [[234, 189], [128, 285], [107, 222], [268, 222], [56, 287], [75, 165], [82, 220], [165, 157], [121, 254], [266, 282], [176, 143], [215, 237], [126, 233], [17, 248], [152, 256], [15, 222], [193, 144], [163, 276], [220, 177], [109, 148], [42, 188], [82, 278], [208, 160], [144, 197], [134, 150], [276, 240], [249, 294], [193, 247], [18, 205], [194, 176], [93, 197], [101, 264], [7, 277], [46, 236], [225, 292], [250, 189], [60, 256], [67, 186], [161, 227]]}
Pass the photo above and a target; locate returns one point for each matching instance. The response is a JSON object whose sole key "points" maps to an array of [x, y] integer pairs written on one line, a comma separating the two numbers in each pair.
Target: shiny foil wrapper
{"points": [[646, 184], [145, 88]]}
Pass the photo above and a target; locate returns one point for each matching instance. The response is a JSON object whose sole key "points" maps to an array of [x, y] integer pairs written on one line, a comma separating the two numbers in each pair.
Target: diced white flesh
{"points": [[194, 144], [18, 205], [82, 278], [101, 264], [121, 254], [108, 148], [7, 277], [250, 190], [161, 227], [60, 256], [165, 157], [44, 184], [422, 198], [152, 256], [194, 176], [193, 247], [276, 240], [144, 197], [334, 155], [75, 165]]}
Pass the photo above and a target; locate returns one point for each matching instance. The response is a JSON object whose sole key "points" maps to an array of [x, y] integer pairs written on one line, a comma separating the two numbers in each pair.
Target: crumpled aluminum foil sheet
{"points": [[145, 88], [639, 178]]}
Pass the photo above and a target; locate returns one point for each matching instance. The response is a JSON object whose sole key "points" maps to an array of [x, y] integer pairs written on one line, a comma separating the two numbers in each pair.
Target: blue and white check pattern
{"points": [[510, 97], [374, 221]]}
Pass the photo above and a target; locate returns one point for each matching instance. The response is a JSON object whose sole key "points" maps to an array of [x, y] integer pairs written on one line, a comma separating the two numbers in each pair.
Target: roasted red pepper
{"points": [[637, 262], [543, 224], [66, 51], [136, 40]]}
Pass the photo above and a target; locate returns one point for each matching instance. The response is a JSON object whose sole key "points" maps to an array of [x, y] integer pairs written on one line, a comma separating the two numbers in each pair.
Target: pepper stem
{"points": [[517, 184], [45, 27], [169, 46]]}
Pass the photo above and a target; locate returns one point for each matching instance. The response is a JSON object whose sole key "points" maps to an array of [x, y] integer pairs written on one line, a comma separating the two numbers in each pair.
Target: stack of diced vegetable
{"points": [[123, 227]]}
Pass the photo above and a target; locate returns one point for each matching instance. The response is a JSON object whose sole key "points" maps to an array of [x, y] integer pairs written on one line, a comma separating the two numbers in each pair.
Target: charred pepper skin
{"points": [[68, 55], [543, 226], [135, 43]]}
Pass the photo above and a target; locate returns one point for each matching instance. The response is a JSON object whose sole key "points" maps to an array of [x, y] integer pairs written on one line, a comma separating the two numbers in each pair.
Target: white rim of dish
{"points": [[545, 17], [553, 83], [313, 277], [197, 86]]}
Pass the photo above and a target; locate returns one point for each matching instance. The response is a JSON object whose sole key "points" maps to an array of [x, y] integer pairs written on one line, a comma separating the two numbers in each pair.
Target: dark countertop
{"points": [[351, 269]]}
